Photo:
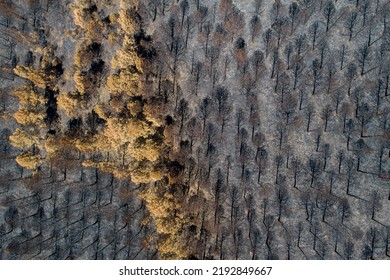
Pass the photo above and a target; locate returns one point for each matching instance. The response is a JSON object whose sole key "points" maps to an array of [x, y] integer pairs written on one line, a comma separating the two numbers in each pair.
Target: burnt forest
{"points": [[193, 129]]}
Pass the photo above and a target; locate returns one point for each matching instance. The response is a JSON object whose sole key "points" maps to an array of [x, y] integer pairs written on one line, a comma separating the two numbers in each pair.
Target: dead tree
{"points": [[329, 12]]}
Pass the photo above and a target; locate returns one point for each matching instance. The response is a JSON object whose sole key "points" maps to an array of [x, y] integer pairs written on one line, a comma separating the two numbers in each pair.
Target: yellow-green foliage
{"points": [[125, 82], [33, 105], [101, 111], [43, 77], [127, 22], [147, 150], [39, 78], [80, 11], [157, 174], [28, 160], [124, 58], [121, 131], [169, 220], [90, 23], [162, 202], [172, 247], [139, 62], [68, 102], [23, 139], [131, 152], [52, 146], [128, 43], [140, 172], [29, 97], [30, 118], [93, 143], [127, 56]]}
